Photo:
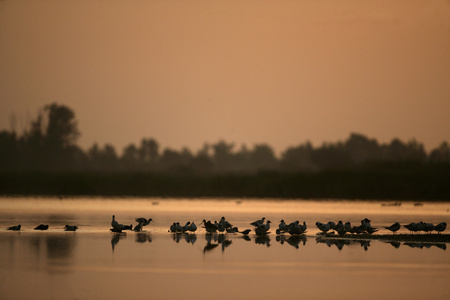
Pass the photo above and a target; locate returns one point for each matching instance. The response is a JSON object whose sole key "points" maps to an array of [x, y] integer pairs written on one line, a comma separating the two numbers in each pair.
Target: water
{"points": [[93, 263]]}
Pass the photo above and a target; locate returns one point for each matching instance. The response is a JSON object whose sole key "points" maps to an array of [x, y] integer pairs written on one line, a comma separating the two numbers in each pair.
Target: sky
{"points": [[192, 72]]}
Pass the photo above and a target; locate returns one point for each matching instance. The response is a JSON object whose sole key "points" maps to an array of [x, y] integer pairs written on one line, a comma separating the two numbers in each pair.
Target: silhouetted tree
{"points": [[149, 151], [103, 158], [174, 161], [398, 151], [441, 154], [62, 128], [361, 149], [9, 151], [331, 156], [223, 156], [263, 158], [130, 157], [298, 158]]}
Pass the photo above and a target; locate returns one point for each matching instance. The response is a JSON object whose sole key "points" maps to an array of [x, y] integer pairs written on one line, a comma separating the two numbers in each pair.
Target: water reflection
{"points": [[117, 236], [340, 243], [225, 240], [190, 238], [143, 237], [293, 240], [213, 240], [426, 245], [419, 245], [263, 240], [54, 246]]}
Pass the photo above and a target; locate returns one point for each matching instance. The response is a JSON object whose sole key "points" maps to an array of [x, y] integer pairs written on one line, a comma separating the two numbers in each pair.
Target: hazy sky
{"points": [[188, 72]]}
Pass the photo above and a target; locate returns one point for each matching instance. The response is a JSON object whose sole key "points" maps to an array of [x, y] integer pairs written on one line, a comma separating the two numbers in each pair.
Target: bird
{"points": [[209, 227], [115, 224], [258, 222], [262, 229], [282, 226], [138, 227], [178, 227], [394, 227], [15, 228], [126, 227], [70, 228], [173, 227], [440, 227], [225, 223], [41, 227], [232, 230], [340, 228], [192, 227], [143, 221], [325, 227], [245, 232], [185, 227], [414, 227], [428, 227], [348, 227]]}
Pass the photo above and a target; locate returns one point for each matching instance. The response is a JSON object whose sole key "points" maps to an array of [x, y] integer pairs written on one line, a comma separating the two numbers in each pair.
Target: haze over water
{"points": [[93, 263]]}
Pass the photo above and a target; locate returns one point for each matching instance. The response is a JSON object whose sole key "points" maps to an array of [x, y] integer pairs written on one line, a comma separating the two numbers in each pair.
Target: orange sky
{"points": [[189, 72]]}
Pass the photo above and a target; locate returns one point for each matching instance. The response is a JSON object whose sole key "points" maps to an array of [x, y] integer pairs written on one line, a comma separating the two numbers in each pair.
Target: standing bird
{"points": [[394, 227], [439, 227], [143, 221], [138, 227], [258, 222], [192, 227], [185, 227], [262, 229], [115, 225], [173, 227], [15, 228], [283, 226]]}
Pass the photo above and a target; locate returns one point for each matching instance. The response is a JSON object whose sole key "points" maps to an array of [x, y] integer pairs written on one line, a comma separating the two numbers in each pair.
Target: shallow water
{"points": [[93, 263]]}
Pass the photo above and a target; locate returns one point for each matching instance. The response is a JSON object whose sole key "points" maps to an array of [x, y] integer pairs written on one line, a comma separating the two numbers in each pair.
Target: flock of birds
{"points": [[262, 227], [44, 227]]}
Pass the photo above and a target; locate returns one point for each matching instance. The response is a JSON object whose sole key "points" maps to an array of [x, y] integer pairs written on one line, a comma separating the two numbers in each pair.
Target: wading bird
{"points": [[394, 227]]}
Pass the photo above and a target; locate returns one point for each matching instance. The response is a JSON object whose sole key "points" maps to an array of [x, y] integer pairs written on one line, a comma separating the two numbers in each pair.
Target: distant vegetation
{"points": [[45, 159]]}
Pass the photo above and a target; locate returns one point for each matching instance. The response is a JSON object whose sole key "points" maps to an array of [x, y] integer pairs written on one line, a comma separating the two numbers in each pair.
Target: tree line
{"points": [[49, 144]]}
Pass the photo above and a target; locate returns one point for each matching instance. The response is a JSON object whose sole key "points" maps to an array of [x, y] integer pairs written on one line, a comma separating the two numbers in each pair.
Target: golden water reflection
{"points": [[94, 263]]}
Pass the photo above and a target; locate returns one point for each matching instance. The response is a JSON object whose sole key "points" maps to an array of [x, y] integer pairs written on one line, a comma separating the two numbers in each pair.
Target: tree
{"points": [[263, 158], [149, 151], [441, 154], [62, 128], [298, 158]]}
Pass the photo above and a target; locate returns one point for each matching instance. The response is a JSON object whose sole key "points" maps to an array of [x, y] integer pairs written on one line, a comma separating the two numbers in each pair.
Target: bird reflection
{"points": [[365, 244], [116, 238], [394, 244], [425, 245], [339, 243], [263, 240], [190, 238], [225, 244], [143, 237], [295, 240], [214, 240], [209, 247], [245, 237]]}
